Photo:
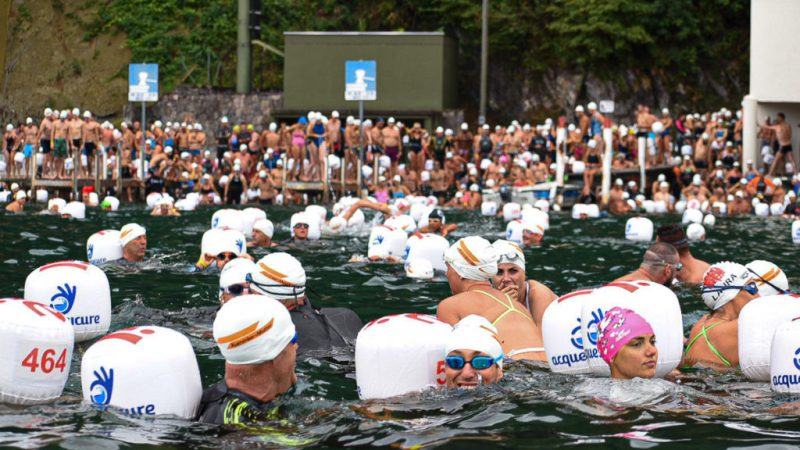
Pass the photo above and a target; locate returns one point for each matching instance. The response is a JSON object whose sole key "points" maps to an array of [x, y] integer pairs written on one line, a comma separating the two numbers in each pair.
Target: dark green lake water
{"points": [[532, 408]]}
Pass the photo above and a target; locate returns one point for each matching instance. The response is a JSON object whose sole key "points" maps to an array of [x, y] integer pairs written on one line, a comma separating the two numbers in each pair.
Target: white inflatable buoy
{"points": [[489, 209], [391, 240], [112, 201], [143, 371], [399, 354], [660, 207], [784, 366], [542, 205], [36, 353], [695, 232], [796, 231], [649, 206], [776, 209], [639, 229], [417, 210], [561, 332], [76, 289], [356, 220], [420, 269], [217, 240], [152, 199], [227, 219], [709, 220], [511, 211], [249, 216], [41, 196], [427, 246], [318, 211], [762, 210], [569, 325], [514, 231], [75, 210], [103, 246], [335, 226], [185, 205], [535, 216], [758, 321], [680, 206], [692, 216], [402, 222], [58, 203]]}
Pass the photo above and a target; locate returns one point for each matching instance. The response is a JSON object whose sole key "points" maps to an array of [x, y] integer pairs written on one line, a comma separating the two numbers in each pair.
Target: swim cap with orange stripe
{"points": [[279, 276], [252, 329], [473, 258]]}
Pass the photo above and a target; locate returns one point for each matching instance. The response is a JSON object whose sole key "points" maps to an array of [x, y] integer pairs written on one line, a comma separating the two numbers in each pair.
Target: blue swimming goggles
{"points": [[477, 362], [767, 282]]}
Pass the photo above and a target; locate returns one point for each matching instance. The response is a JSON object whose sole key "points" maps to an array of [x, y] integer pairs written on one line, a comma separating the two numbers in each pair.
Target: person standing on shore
{"points": [[59, 138]]}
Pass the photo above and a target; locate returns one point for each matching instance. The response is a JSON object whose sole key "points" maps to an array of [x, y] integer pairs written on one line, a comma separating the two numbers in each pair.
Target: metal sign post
{"points": [[142, 87], [360, 84]]}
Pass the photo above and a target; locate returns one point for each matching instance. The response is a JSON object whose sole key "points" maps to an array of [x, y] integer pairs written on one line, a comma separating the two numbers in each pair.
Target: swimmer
{"points": [[473, 354], [262, 234], [222, 258], [19, 202], [510, 279], [436, 224], [233, 279], [726, 288], [661, 264], [388, 211], [471, 264], [164, 207], [300, 230], [133, 238], [280, 276], [627, 344], [532, 234], [693, 269], [259, 343]]}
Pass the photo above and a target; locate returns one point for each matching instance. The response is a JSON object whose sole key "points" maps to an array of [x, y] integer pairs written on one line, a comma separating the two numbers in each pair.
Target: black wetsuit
{"points": [[223, 406], [155, 184], [324, 330]]}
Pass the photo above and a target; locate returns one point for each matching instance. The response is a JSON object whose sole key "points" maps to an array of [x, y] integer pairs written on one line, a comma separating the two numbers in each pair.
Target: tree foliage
{"points": [[194, 41]]}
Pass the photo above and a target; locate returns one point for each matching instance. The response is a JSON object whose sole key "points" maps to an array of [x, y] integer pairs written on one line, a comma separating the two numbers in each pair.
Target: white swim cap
{"points": [[472, 258], [63, 115], [697, 180], [279, 276], [723, 281], [265, 226], [695, 232], [475, 333], [130, 232], [235, 272], [591, 105], [252, 329], [579, 108], [662, 177], [769, 278], [509, 252], [20, 195], [76, 112]]}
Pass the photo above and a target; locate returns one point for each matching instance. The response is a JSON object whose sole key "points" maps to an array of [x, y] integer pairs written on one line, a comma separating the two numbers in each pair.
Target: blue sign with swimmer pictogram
{"points": [[143, 83], [360, 80]]}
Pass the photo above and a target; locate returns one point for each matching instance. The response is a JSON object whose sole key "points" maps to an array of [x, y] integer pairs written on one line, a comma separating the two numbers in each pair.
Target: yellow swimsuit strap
{"points": [[510, 307]]}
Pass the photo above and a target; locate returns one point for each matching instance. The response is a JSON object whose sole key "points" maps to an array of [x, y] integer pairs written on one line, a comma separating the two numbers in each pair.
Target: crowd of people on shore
{"points": [[700, 154]]}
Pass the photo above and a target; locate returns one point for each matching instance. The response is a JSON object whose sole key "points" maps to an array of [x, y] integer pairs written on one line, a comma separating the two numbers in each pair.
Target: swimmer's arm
{"points": [[204, 261], [447, 229], [447, 311]]}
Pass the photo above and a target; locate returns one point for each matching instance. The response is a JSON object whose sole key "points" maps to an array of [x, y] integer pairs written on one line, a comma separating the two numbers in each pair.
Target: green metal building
{"points": [[416, 73]]}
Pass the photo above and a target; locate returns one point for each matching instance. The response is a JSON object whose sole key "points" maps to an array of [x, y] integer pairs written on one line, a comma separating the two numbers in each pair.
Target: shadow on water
{"points": [[530, 408]]}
